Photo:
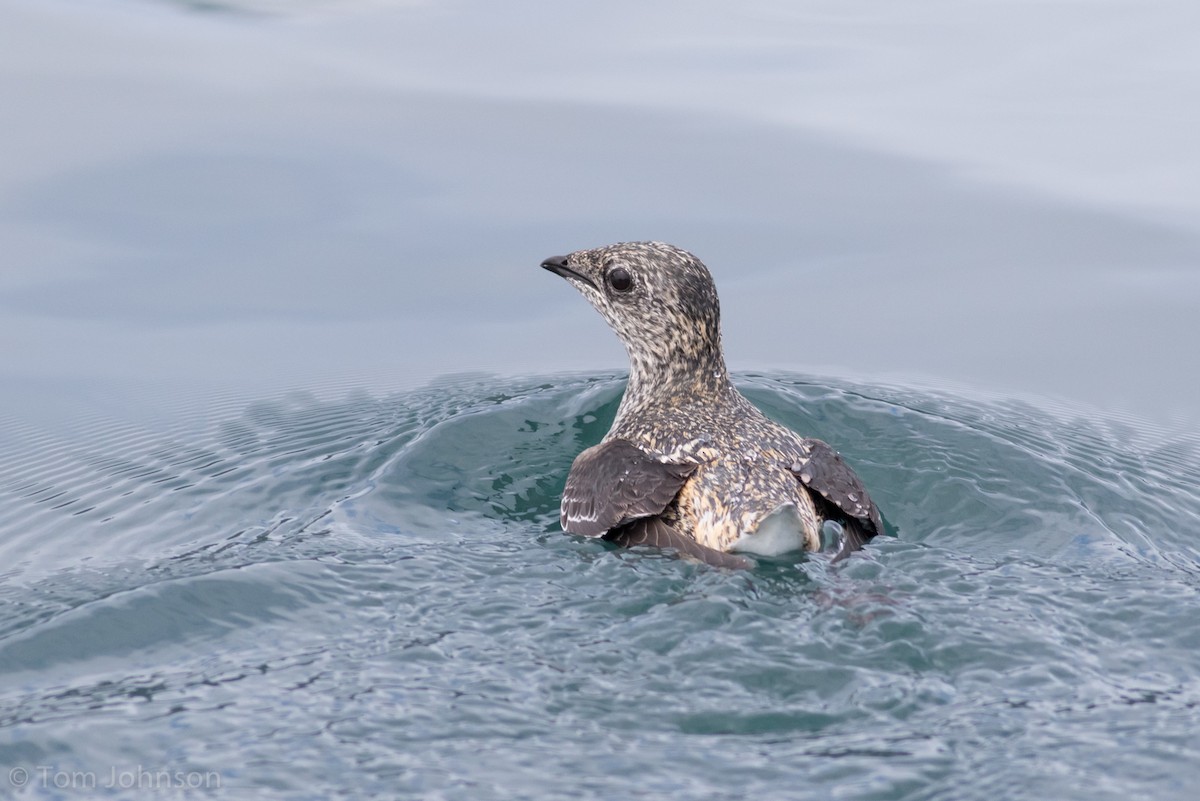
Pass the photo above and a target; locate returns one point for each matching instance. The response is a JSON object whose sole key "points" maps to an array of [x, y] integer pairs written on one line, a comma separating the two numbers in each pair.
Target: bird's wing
{"points": [[822, 470], [656, 532], [614, 483]]}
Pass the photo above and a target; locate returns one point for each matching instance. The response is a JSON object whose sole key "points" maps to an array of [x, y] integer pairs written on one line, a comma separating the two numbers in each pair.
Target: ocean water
{"points": [[287, 404], [371, 596]]}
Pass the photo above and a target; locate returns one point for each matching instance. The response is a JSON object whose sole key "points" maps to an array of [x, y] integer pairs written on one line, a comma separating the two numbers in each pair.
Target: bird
{"points": [[689, 463]]}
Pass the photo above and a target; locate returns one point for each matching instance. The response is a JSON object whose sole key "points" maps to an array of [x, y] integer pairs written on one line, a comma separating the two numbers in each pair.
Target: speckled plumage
{"points": [[689, 462]]}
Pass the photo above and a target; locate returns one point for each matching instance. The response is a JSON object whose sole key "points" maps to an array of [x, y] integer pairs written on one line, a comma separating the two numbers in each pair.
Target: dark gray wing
{"points": [[656, 532], [615, 483], [823, 471]]}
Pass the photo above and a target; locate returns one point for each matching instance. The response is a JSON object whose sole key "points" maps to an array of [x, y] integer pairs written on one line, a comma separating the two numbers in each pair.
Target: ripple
{"points": [[311, 593]]}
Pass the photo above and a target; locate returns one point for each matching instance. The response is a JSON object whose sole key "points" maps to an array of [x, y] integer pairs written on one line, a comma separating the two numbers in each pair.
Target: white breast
{"points": [[779, 532]]}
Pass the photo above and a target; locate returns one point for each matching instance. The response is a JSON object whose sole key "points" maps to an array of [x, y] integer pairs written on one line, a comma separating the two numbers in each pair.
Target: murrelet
{"points": [[689, 463]]}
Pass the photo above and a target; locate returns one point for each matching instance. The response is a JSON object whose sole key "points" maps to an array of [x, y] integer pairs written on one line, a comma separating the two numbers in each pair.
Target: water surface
{"points": [[286, 404], [371, 595]]}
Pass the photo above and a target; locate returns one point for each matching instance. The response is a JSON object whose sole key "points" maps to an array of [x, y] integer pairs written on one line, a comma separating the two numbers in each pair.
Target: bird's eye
{"points": [[620, 279]]}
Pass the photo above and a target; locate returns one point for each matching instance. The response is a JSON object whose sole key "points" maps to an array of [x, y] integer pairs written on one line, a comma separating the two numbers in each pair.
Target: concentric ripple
{"points": [[371, 596]]}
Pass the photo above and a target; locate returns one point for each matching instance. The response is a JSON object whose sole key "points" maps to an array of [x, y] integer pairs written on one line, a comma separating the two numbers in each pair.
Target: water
{"points": [[371, 595], [286, 403]]}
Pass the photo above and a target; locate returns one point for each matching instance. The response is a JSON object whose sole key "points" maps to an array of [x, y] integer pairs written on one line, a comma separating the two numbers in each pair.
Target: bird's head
{"points": [[659, 299]]}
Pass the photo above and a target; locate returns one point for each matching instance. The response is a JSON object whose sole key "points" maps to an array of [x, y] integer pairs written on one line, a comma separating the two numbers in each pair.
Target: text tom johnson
{"points": [[137, 777]]}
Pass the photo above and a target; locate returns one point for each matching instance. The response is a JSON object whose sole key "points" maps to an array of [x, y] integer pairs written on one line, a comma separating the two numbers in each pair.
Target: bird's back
{"points": [[743, 477]]}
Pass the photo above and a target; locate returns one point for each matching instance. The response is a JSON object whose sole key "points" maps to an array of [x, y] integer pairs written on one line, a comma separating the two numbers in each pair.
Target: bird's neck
{"points": [[679, 375]]}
